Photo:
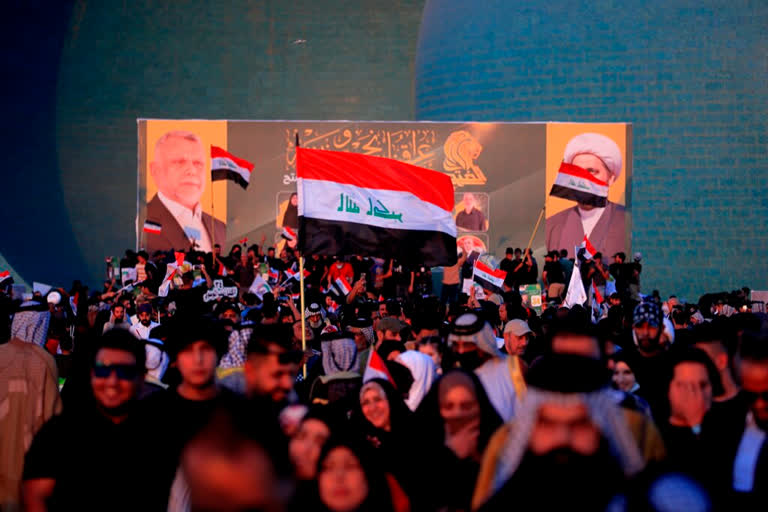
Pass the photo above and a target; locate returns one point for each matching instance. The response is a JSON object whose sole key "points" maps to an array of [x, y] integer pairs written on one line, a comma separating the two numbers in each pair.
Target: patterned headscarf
{"points": [[603, 411]]}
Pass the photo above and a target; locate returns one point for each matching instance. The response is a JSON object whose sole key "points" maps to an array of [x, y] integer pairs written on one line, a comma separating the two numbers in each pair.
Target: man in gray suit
{"points": [[179, 171], [605, 227]]}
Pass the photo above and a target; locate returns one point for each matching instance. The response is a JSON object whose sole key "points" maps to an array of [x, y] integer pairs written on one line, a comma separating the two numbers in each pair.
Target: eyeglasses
{"points": [[123, 371]]}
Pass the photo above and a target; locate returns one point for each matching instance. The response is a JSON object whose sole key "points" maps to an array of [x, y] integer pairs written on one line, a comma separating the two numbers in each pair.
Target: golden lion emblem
{"points": [[461, 150]]}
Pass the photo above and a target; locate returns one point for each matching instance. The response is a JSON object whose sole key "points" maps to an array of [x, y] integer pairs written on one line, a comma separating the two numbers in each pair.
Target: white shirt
{"points": [[589, 219], [745, 463], [189, 220], [495, 377], [142, 332]]}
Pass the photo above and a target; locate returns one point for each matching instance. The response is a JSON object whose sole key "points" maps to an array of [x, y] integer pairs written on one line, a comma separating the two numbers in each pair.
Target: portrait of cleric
{"points": [[604, 226], [180, 172], [471, 212]]}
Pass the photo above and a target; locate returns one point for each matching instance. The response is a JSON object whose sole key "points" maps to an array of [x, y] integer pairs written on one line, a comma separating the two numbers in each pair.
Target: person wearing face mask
{"points": [[456, 421], [473, 347]]}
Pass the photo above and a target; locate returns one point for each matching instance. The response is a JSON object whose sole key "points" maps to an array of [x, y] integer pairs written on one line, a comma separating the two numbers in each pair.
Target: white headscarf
{"points": [[424, 372]]}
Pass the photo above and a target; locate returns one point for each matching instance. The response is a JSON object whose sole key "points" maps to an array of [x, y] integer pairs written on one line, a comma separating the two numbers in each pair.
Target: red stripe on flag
{"points": [[589, 247], [217, 152], [179, 258], [598, 297], [5, 274], [376, 173], [575, 170], [499, 274], [375, 362]]}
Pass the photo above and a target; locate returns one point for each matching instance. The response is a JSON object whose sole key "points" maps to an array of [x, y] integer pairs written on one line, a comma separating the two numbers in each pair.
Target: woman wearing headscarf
{"points": [[349, 479], [291, 216], [386, 424], [625, 382], [424, 373], [455, 421]]}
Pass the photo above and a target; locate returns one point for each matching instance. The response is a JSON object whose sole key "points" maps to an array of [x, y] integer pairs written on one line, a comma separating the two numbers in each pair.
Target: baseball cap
{"points": [[389, 323], [517, 327]]}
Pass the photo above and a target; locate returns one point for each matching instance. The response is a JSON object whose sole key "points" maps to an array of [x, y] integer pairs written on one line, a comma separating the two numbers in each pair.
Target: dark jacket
{"points": [[172, 235]]}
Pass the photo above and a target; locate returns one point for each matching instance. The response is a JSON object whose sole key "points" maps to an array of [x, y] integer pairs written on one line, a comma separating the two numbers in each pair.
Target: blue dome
{"points": [[691, 79]]}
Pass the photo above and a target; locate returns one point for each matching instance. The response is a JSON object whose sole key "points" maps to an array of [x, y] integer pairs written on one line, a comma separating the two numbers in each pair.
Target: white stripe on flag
{"points": [[489, 275], [391, 209], [220, 163], [576, 293], [581, 184], [342, 286]]}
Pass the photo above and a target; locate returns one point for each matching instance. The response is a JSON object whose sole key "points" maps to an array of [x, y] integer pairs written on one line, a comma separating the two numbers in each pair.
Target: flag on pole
{"points": [[226, 166], [358, 204], [577, 184], [152, 227], [488, 278], [376, 369], [5, 278], [576, 293]]}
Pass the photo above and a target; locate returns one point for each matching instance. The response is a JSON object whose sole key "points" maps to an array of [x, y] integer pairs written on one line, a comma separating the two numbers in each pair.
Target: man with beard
{"points": [[271, 365], [315, 316], [473, 345], [568, 448], [145, 324], [90, 455], [649, 358]]}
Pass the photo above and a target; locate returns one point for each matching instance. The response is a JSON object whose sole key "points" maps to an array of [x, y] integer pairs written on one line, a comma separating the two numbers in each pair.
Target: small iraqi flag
{"points": [[289, 234], [488, 278], [273, 274], [342, 286], [152, 227], [5, 278], [226, 166], [577, 184], [589, 249], [377, 369], [294, 274]]}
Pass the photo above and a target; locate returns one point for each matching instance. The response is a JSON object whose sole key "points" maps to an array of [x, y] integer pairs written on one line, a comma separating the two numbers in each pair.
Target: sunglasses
{"points": [[123, 371]]}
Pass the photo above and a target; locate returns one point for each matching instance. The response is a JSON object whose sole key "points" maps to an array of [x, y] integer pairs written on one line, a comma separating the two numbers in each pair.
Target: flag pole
{"points": [[301, 300], [535, 229]]}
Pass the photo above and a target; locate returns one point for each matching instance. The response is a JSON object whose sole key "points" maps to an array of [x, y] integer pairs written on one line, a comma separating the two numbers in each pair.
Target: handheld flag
{"points": [[152, 227], [577, 184], [226, 166], [576, 293], [589, 249], [289, 234], [5, 278], [488, 278], [351, 203], [376, 369], [342, 286], [259, 287], [294, 274]]}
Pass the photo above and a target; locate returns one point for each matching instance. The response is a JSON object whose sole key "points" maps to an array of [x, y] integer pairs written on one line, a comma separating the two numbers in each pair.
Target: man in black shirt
{"points": [[508, 265], [553, 277], [89, 457]]}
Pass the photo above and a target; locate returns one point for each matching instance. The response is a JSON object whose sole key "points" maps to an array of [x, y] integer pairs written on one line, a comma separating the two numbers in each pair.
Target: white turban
{"points": [[595, 144]]}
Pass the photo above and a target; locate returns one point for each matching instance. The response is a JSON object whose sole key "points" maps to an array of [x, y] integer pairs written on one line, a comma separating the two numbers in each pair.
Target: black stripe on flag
{"points": [[331, 237], [228, 174], [577, 195]]}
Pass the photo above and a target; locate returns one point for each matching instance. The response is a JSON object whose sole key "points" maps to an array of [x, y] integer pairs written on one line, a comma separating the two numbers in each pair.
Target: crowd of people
{"points": [[388, 397]]}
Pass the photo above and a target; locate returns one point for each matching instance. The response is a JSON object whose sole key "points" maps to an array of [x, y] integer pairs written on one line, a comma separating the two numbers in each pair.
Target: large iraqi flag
{"points": [[358, 204]]}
